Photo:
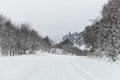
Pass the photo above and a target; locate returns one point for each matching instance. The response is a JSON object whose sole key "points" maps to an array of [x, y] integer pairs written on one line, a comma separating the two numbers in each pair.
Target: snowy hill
{"points": [[76, 38], [44, 66]]}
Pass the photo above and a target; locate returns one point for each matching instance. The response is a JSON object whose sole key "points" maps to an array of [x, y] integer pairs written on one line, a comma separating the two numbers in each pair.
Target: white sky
{"points": [[54, 18]]}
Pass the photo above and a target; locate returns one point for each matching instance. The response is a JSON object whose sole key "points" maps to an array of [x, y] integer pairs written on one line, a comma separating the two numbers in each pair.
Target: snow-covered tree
{"points": [[104, 34], [20, 39]]}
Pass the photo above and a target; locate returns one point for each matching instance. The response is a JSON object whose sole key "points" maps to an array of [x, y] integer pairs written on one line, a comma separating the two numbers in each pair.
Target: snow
{"points": [[45, 66], [82, 47]]}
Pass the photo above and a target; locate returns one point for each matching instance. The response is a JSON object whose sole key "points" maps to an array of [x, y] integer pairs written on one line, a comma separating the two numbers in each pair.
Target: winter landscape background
{"points": [[60, 44]]}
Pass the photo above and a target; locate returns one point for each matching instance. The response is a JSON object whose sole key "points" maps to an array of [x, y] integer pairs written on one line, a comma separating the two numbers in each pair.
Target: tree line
{"points": [[20, 39], [104, 34]]}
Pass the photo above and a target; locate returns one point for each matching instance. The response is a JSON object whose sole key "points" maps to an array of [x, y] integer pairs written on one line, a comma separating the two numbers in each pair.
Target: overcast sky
{"points": [[54, 18]]}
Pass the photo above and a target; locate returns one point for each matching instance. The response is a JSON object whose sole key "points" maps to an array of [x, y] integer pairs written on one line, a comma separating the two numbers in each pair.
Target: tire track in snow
{"points": [[79, 70], [73, 73], [8, 70], [31, 72], [52, 68], [40, 72]]}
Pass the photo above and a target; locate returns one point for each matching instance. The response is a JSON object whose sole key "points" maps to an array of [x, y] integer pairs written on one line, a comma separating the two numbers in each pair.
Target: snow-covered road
{"points": [[53, 67]]}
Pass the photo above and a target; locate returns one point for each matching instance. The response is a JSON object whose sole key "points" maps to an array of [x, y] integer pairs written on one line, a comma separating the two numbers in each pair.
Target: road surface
{"points": [[56, 67]]}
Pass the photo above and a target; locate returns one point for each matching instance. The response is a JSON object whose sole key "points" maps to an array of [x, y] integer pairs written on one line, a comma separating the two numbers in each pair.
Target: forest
{"points": [[102, 37]]}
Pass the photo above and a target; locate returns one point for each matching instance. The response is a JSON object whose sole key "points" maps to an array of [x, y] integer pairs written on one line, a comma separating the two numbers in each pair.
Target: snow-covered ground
{"points": [[56, 67]]}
